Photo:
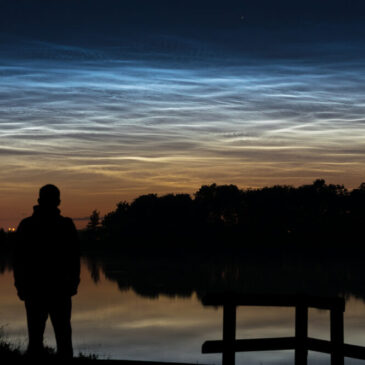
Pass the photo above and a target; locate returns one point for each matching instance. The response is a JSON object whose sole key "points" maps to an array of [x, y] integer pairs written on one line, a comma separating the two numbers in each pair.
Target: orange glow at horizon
{"points": [[79, 203], [106, 132]]}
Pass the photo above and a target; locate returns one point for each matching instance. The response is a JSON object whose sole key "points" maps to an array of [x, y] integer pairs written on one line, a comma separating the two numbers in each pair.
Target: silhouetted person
{"points": [[47, 271]]}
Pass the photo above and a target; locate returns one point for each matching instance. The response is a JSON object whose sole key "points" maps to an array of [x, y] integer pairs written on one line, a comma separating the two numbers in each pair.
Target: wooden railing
{"points": [[300, 343]]}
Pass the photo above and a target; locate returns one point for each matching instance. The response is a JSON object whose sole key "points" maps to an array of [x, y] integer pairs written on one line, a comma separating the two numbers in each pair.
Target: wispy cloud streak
{"points": [[137, 127]]}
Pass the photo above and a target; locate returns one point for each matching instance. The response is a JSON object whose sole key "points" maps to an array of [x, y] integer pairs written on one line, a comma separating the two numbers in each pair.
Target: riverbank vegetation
{"points": [[12, 354], [218, 216], [8, 351]]}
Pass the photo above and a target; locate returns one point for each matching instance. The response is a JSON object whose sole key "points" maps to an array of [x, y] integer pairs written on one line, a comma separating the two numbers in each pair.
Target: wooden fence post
{"points": [[337, 336], [301, 334], [229, 333], [301, 343]]}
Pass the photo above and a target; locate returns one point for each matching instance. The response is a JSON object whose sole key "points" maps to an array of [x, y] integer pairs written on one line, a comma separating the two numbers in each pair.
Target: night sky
{"points": [[113, 99]]}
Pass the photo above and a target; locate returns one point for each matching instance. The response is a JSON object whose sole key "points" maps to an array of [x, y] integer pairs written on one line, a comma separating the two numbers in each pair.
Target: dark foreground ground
{"points": [[15, 357], [10, 354]]}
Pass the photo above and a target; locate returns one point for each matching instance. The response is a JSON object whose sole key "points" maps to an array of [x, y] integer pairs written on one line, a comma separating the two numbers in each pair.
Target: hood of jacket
{"points": [[45, 212]]}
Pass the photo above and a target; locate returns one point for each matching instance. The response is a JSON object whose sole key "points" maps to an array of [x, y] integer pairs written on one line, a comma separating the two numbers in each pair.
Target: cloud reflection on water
{"points": [[117, 324]]}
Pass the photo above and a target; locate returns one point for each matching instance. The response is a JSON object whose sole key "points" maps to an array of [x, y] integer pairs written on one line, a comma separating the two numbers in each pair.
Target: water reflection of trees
{"points": [[254, 272], [319, 273], [5, 259]]}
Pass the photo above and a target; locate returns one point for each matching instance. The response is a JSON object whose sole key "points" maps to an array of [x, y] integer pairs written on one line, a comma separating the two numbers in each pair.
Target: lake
{"points": [[115, 317]]}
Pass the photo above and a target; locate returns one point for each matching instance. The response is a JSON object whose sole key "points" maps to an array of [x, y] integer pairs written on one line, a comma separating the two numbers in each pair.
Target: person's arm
{"points": [[19, 258], [75, 258]]}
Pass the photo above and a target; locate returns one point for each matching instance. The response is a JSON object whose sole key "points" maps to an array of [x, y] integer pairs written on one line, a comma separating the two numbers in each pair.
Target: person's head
{"points": [[49, 196]]}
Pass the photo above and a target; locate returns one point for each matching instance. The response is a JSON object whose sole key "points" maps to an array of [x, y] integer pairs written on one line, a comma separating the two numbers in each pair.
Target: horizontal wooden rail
{"points": [[256, 344], [284, 343], [353, 351]]}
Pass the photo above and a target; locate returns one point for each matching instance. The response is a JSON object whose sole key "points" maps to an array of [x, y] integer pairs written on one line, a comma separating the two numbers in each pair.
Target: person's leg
{"points": [[60, 313], [37, 315]]}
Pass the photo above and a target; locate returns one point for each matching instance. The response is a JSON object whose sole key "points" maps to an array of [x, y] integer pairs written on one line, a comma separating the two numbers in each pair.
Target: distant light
{"points": [[11, 229]]}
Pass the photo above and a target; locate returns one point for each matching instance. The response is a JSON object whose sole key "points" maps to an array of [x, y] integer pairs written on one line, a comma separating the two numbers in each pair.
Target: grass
{"points": [[10, 354]]}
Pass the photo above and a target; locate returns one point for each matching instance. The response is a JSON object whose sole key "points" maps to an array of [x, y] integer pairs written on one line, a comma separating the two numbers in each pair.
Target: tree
{"points": [[94, 222], [115, 223]]}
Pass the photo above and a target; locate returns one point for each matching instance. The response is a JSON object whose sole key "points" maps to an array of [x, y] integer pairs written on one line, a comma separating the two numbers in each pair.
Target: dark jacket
{"points": [[46, 255]]}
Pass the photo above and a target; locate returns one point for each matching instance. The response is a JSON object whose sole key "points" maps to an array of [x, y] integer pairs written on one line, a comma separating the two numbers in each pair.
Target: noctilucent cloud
{"points": [[113, 113]]}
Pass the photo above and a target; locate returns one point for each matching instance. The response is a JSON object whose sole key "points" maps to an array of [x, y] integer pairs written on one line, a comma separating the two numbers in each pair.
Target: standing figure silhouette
{"points": [[47, 271]]}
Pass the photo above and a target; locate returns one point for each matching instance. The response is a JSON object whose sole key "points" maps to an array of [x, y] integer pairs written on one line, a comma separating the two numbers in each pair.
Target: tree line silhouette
{"points": [[224, 215]]}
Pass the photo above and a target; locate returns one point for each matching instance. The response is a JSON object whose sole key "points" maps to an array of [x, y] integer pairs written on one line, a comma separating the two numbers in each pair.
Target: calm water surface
{"points": [[124, 325]]}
